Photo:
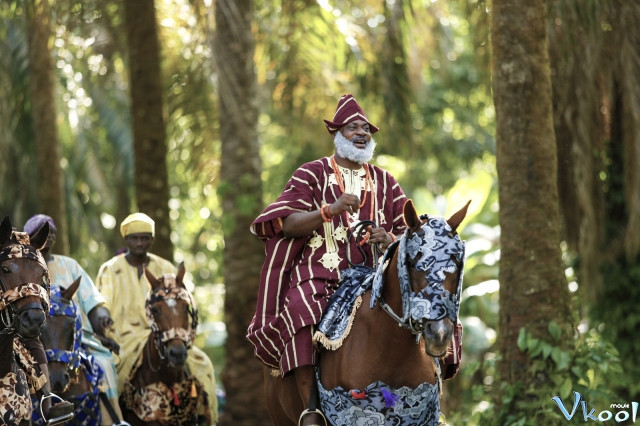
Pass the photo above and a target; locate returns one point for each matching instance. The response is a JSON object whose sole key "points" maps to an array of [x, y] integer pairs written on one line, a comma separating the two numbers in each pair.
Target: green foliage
{"points": [[588, 364], [619, 318]]}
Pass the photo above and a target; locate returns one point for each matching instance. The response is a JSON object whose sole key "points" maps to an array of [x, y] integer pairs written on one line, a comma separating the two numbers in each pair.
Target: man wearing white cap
{"points": [[122, 282]]}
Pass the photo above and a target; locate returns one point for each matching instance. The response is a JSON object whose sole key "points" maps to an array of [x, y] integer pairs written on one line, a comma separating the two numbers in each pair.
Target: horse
{"points": [[73, 373], [24, 301], [159, 389], [382, 365]]}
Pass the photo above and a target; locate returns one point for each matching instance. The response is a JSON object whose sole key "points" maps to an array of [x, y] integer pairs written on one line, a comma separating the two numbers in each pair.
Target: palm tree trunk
{"points": [[240, 190], [148, 118], [43, 100]]}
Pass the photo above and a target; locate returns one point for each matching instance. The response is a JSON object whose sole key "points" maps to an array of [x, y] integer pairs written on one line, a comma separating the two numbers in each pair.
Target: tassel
{"points": [[176, 400], [390, 398], [194, 391]]}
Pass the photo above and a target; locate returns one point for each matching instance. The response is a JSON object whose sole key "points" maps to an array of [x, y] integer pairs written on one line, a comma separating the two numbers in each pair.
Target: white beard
{"points": [[345, 149]]}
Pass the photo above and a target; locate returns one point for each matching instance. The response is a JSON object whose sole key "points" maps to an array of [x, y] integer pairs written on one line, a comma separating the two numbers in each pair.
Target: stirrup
{"points": [[61, 419], [309, 411]]}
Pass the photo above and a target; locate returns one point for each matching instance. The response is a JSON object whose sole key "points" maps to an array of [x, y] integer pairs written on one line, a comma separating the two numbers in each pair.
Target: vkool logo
{"points": [[603, 416]]}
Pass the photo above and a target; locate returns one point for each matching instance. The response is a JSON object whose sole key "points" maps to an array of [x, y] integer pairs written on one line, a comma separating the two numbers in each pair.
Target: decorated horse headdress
{"points": [[17, 245], [170, 290], [435, 250], [61, 307]]}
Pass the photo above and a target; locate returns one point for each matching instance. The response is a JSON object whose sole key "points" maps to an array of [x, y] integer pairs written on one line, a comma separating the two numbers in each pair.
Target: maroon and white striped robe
{"points": [[300, 274]]}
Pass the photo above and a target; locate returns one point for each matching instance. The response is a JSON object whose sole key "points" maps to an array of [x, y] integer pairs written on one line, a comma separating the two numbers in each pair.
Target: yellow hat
{"points": [[137, 223]]}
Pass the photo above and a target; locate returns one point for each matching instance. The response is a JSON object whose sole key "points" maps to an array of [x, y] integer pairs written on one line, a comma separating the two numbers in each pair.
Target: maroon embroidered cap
{"points": [[347, 111]]}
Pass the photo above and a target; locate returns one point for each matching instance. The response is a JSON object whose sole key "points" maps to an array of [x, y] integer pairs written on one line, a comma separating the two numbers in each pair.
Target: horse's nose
{"points": [[437, 332], [30, 322], [59, 381], [177, 355]]}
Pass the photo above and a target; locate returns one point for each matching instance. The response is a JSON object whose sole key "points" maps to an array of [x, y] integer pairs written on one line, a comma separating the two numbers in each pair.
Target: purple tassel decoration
{"points": [[390, 398]]}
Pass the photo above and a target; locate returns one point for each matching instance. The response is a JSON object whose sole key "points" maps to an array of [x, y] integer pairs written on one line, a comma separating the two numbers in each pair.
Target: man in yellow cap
{"points": [[122, 282]]}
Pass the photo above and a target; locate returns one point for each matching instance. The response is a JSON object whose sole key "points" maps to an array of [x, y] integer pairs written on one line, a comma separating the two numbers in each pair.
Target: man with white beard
{"points": [[308, 236]]}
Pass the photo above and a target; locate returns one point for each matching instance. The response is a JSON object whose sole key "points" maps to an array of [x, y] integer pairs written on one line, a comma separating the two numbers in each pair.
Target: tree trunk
{"points": [[597, 110], [533, 287], [240, 190], [147, 113], [43, 101]]}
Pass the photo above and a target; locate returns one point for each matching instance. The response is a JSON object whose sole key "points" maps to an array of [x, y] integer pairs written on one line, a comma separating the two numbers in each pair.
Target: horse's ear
{"points": [[180, 276], [67, 293], [456, 219], [39, 239], [155, 283], [5, 231], [411, 217]]}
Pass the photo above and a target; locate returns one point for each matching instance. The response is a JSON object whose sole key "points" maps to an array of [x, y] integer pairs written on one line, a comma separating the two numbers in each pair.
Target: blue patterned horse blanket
{"points": [[380, 405], [341, 309]]}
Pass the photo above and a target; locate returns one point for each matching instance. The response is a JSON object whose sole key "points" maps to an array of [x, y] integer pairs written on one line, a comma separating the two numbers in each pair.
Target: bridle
{"points": [[161, 337], [416, 327], [8, 312]]}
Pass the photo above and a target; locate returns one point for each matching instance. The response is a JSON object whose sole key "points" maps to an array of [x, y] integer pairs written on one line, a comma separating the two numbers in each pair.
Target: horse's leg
{"points": [[305, 379], [274, 403], [284, 401]]}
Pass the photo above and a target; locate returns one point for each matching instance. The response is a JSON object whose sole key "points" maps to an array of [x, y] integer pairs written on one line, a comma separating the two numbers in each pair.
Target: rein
{"points": [[358, 230], [409, 325]]}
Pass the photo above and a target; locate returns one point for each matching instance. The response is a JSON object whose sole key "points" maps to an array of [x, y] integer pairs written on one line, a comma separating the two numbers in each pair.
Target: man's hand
{"points": [[109, 343], [380, 236], [101, 322]]}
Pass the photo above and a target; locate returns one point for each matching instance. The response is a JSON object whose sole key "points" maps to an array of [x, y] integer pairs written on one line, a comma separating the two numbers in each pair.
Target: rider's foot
{"points": [[60, 409]]}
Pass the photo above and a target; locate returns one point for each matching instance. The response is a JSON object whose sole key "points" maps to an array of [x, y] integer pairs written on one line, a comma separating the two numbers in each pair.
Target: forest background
{"points": [[198, 111]]}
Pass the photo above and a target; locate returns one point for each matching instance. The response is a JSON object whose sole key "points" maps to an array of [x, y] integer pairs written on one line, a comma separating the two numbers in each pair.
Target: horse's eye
{"points": [[4, 269], [154, 310]]}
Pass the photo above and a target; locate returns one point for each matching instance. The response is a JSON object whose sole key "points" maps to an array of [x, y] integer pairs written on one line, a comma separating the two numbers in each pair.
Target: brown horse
{"points": [[24, 299], [73, 374], [159, 389], [382, 364]]}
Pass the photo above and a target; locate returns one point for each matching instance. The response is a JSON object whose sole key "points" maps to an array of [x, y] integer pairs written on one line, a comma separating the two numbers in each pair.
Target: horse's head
{"points": [[61, 337], [172, 315], [24, 281], [432, 255]]}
